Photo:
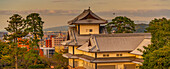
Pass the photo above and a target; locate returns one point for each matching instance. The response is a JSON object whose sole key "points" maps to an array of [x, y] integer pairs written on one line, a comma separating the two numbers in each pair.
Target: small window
{"points": [[90, 30], [104, 55], [120, 54], [117, 54], [107, 55]]}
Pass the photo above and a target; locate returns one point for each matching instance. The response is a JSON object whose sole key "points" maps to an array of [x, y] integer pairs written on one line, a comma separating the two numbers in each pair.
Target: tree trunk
{"points": [[35, 38], [16, 62], [35, 62], [16, 48], [16, 56]]}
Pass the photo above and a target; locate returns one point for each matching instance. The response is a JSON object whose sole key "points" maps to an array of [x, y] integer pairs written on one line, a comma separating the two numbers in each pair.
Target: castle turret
{"points": [[87, 23]]}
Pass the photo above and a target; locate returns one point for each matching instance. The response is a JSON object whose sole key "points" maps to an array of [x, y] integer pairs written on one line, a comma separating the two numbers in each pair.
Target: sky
{"points": [[59, 12]]}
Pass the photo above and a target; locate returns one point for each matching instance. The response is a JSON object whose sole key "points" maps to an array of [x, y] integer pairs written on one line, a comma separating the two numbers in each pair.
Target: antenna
{"points": [[114, 13]]}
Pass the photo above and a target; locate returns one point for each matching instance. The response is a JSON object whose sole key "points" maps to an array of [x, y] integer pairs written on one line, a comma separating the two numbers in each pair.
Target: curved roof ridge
{"points": [[96, 15], [84, 14], [96, 43]]}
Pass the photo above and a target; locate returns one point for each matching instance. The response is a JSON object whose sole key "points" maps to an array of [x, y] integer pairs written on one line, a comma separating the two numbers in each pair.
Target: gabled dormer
{"points": [[87, 23]]}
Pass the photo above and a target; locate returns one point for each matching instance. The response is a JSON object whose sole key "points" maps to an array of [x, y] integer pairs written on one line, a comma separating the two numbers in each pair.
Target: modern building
{"points": [[47, 34], [47, 51], [46, 47], [48, 43], [56, 42], [90, 47], [52, 43]]}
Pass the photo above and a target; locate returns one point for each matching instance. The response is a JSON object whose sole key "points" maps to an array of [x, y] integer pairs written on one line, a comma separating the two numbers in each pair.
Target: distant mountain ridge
{"points": [[59, 28], [140, 28]]}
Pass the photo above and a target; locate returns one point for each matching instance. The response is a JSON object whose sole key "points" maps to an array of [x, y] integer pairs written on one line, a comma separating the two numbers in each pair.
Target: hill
{"points": [[140, 28], [59, 28]]}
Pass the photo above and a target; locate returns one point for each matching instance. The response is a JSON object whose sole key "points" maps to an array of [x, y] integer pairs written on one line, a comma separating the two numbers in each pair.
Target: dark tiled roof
{"points": [[115, 42], [109, 42], [82, 18], [144, 43], [75, 39], [118, 43]]}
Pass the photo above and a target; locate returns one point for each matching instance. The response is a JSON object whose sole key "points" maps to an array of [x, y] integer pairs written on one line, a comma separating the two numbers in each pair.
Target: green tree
{"points": [[57, 60], [156, 55], [3, 45], [160, 31], [122, 24], [29, 58], [158, 59], [35, 27], [16, 29], [4, 50]]}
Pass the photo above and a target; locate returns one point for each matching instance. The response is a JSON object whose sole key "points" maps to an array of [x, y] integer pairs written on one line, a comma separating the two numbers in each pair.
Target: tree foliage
{"points": [[35, 27], [3, 45], [122, 24], [27, 58], [4, 50], [57, 60], [16, 29], [156, 55]]}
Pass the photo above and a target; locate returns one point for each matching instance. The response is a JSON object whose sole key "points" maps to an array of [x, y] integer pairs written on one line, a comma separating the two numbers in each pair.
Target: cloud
{"points": [[163, 0], [43, 12], [58, 1], [160, 5], [64, 0], [137, 13], [153, 0], [141, 15]]}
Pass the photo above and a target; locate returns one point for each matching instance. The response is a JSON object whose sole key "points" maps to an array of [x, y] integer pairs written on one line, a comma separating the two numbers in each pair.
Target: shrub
{"points": [[37, 66]]}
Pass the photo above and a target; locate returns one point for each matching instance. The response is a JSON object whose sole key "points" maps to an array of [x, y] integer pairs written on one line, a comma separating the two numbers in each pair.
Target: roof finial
{"points": [[89, 7]]}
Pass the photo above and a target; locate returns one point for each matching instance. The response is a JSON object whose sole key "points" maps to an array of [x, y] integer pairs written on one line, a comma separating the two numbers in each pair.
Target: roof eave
{"points": [[106, 51], [136, 54]]}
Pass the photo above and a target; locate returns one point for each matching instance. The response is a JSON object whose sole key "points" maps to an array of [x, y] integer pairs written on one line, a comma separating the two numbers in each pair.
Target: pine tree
{"points": [[16, 30], [122, 25], [35, 27]]}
